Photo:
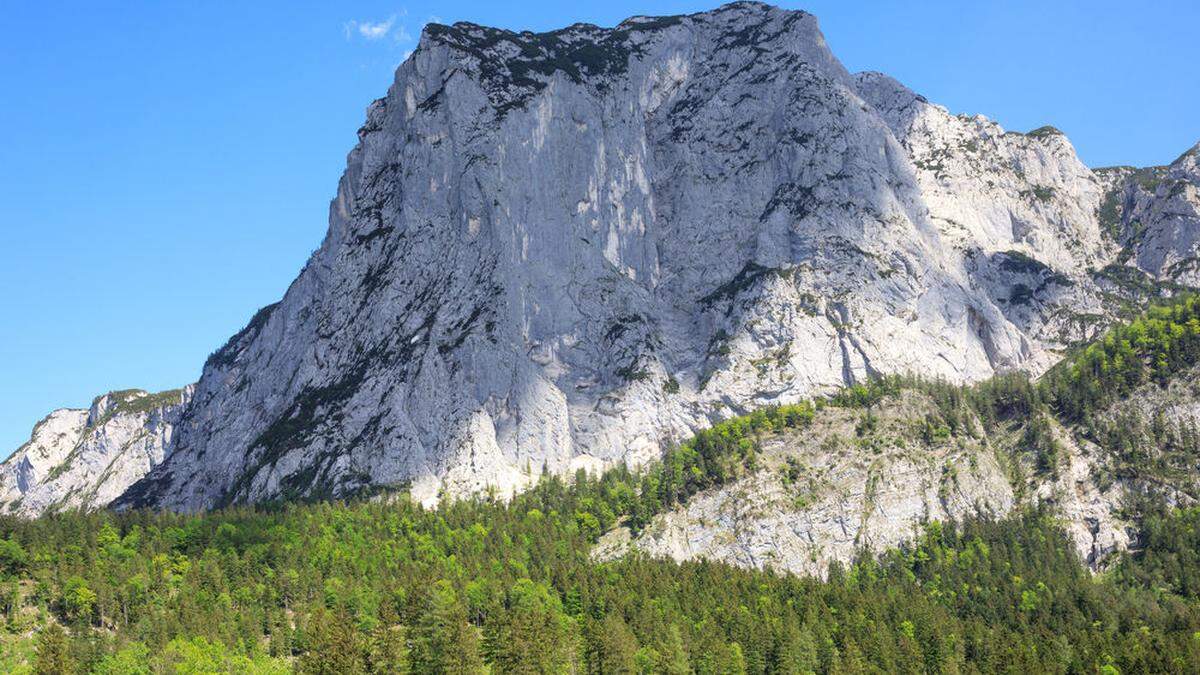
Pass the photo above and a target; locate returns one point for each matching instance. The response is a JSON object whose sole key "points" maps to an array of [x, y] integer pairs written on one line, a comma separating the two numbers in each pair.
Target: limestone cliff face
{"points": [[567, 249], [86, 458], [1155, 213]]}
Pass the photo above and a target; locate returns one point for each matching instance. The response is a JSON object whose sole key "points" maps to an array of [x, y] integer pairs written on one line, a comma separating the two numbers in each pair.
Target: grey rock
{"points": [[850, 495], [1155, 213], [85, 458], [536, 233], [856, 494]]}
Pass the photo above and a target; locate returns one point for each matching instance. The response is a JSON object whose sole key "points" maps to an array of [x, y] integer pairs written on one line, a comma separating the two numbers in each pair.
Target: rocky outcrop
{"points": [[863, 482], [994, 191], [85, 458], [1020, 209], [831, 491], [1155, 214]]}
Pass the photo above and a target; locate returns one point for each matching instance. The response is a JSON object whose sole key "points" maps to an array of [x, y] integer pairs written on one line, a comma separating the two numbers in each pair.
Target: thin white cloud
{"points": [[373, 30]]}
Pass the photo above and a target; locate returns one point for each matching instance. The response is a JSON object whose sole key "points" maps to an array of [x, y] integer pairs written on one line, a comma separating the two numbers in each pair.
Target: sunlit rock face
{"points": [[1155, 212], [85, 458], [566, 250]]}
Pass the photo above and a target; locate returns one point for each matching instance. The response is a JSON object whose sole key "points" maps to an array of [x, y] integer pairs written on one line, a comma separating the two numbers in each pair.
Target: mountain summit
{"points": [[565, 250]]}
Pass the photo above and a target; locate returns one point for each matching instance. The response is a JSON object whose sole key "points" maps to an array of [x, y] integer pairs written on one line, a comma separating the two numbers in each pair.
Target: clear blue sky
{"points": [[166, 168]]}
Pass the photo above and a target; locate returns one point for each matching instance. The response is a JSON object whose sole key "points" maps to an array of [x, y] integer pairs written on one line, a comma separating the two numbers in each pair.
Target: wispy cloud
{"points": [[371, 30], [377, 30], [374, 31]]}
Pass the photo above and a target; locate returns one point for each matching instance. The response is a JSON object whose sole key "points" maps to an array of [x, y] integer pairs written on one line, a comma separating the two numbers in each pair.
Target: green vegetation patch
{"points": [[1044, 132]]}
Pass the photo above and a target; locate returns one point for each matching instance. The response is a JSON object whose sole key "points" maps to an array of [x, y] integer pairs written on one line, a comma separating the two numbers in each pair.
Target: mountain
{"points": [[568, 250], [87, 458]]}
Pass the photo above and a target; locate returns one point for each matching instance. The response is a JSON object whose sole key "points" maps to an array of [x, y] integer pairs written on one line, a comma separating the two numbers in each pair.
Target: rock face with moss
{"points": [[85, 458], [1018, 211], [1155, 214], [851, 482], [860, 480], [569, 249]]}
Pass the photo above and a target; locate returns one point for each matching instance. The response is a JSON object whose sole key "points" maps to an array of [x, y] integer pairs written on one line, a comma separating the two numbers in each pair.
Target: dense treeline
{"points": [[373, 587], [1153, 348], [479, 586]]}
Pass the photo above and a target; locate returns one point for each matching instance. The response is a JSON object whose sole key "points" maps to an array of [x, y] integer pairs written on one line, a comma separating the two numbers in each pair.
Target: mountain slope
{"points": [[1155, 213], [572, 249], [1034, 480], [1114, 427], [872, 479]]}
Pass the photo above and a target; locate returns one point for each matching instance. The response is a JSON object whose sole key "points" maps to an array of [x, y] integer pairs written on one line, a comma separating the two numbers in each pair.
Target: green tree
{"points": [[78, 599], [331, 646], [10, 598], [610, 646], [132, 659], [646, 661], [52, 656], [797, 651], [387, 652], [13, 557], [445, 642], [533, 634], [198, 656], [736, 664], [674, 656]]}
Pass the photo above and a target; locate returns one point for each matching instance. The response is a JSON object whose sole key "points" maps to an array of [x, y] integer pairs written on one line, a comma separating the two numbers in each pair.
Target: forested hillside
{"points": [[384, 586]]}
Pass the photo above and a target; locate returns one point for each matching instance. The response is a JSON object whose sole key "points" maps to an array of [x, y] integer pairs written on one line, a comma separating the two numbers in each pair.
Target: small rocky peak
{"points": [[1189, 161], [106, 405]]}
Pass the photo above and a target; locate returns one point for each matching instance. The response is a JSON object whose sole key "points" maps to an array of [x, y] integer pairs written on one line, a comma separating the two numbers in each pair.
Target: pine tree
{"points": [[52, 655], [851, 659], [736, 664], [611, 646], [445, 641], [332, 647], [387, 653], [797, 651], [533, 635], [280, 643], [674, 655]]}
